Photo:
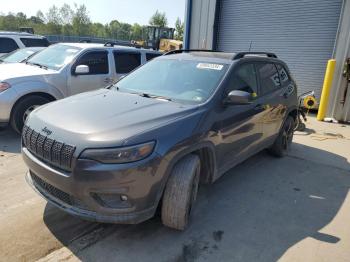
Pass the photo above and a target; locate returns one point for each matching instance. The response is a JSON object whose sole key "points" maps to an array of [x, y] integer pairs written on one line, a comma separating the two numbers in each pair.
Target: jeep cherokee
{"points": [[116, 154]]}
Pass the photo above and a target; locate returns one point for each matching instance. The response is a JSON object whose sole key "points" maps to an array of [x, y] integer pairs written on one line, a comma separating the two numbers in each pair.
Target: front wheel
{"points": [[284, 140], [181, 192], [22, 110]]}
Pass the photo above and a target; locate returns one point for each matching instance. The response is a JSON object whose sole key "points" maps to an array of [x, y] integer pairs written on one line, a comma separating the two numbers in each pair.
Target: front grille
{"points": [[51, 190], [54, 152]]}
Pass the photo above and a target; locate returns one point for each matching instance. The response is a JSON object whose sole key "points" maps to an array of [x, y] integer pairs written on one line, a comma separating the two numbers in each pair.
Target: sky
{"points": [[104, 11]]}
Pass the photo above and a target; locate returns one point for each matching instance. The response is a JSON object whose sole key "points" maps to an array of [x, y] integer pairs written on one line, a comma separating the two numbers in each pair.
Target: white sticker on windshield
{"points": [[210, 66]]}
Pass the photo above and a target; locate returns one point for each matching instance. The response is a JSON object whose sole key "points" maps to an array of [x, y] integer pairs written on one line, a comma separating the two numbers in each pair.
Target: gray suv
{"points": [[117, 154]]}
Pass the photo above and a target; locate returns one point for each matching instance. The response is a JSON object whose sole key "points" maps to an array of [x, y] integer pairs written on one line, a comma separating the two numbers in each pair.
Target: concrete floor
{"points": [[266, 209]]}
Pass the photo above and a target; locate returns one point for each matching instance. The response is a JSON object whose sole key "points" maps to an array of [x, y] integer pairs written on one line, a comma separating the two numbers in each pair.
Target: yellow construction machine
{"points": [[159, 38]]}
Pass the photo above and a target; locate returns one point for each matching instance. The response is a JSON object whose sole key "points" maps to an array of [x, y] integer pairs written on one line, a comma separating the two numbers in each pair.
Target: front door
{"points": [[99, 74], [240, 128]]}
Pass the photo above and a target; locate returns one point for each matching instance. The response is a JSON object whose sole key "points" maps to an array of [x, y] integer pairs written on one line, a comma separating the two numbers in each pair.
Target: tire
{"points": [[181, 192], [23, 108], [284, 140]]}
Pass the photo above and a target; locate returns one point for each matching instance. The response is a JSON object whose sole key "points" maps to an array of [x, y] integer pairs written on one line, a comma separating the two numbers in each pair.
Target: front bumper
{"points": [[7, 100], [81, 191]]}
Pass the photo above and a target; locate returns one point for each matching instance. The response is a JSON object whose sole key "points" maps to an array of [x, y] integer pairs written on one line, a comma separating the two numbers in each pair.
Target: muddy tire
{"points": [[284, 140], [22, 110], [181, 192]]}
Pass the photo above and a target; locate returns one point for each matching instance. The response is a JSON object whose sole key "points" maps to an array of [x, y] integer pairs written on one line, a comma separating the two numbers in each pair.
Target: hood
{"points": [[11, 71], [104, 117]]}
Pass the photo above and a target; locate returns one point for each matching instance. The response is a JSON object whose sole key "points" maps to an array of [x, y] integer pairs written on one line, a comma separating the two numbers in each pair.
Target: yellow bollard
{"points": [[327, 84]]}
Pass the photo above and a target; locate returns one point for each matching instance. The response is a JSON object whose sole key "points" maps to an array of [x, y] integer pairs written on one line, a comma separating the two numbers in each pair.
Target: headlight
{"points": [[4, 86], [120, 155]]}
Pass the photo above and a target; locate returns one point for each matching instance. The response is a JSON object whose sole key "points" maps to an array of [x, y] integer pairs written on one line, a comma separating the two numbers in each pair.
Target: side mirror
{"points": [[82, 70], [237, 97]]}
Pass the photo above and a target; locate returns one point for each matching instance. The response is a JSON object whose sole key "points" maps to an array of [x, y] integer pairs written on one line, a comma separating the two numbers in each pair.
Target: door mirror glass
{"points": [[237, 97], [82, 70]]}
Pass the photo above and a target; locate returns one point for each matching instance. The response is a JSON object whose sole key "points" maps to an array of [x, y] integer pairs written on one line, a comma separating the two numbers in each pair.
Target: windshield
{"points": [[17, 56], [55, 57], [187, 81]]}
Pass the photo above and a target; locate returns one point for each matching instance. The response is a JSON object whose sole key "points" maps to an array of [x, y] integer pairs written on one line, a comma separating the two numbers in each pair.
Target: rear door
{"points": [[240, 128], [99, 75], [126, 61], [273, 98]]}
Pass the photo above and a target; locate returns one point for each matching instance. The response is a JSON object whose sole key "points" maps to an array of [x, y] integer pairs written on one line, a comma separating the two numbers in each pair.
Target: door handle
{"points": [[108, 80]]}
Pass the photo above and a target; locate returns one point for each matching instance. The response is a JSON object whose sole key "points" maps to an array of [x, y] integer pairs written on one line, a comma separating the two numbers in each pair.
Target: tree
{"points": [[81, 21], [136, 32], [67, 14], [53, 16], [41, 16], [179, 29], [158, 19]]}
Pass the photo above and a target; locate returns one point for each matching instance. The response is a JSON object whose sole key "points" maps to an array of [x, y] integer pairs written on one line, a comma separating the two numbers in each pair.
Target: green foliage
{"points": [[179, 29], [75, 20], [158, 19]]}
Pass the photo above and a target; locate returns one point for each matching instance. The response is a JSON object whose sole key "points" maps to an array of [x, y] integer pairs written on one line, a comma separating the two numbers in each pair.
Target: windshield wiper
{"points": [[151, 96], [36, 64], [143, 94], [158, 97]]}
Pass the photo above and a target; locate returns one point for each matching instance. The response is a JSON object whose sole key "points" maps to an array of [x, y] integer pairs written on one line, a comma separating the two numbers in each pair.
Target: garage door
{"points": [[302, 33]]}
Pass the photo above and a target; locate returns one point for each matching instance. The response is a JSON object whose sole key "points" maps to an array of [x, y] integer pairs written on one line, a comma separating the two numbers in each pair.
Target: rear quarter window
{"points": [[35, 42], [7, 45]]}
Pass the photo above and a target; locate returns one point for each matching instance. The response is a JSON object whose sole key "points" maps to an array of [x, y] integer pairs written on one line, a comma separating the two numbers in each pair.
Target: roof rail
{"points": [[188, 50], [243, 54], [112, 44]]}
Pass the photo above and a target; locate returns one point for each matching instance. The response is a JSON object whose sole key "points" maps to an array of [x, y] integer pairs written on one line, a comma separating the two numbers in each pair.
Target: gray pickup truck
{"points": [[60, 71]]}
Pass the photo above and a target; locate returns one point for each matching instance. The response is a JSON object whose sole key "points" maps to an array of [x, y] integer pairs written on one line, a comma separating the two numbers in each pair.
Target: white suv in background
{"points": [[10, 41], [63, 70]]}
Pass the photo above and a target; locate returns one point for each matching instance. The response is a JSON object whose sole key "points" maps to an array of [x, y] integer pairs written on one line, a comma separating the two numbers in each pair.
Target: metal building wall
{"points": [[202, 24], [302, 33], [336, 109]]}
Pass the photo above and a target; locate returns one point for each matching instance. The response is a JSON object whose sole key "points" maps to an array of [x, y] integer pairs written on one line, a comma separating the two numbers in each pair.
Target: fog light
{"points": [[111, 200]]}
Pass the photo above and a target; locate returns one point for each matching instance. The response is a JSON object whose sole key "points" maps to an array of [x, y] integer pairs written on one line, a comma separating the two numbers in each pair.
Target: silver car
{"points": [[20, 55], [60, 71]]}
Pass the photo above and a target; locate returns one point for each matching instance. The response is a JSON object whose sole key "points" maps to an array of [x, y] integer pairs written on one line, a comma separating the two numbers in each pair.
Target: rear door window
{"points": [[125, 62], [269, 77], [150, 56], [7, 45], [35, 42], [97, 61]]}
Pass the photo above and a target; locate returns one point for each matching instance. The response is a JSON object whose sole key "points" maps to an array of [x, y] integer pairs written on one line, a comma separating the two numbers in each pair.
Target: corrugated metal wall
{"points": [[202, 24], [338, 108], [302, 33]]}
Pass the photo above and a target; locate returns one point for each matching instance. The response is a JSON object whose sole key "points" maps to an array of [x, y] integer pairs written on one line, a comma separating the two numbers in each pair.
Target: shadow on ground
{"points": [[255, 212], [9, 141]]}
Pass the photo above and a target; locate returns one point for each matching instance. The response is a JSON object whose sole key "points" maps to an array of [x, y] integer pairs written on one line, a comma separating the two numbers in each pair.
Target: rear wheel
{"points": [[23, 108], [181, 193], [284, 140]]}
